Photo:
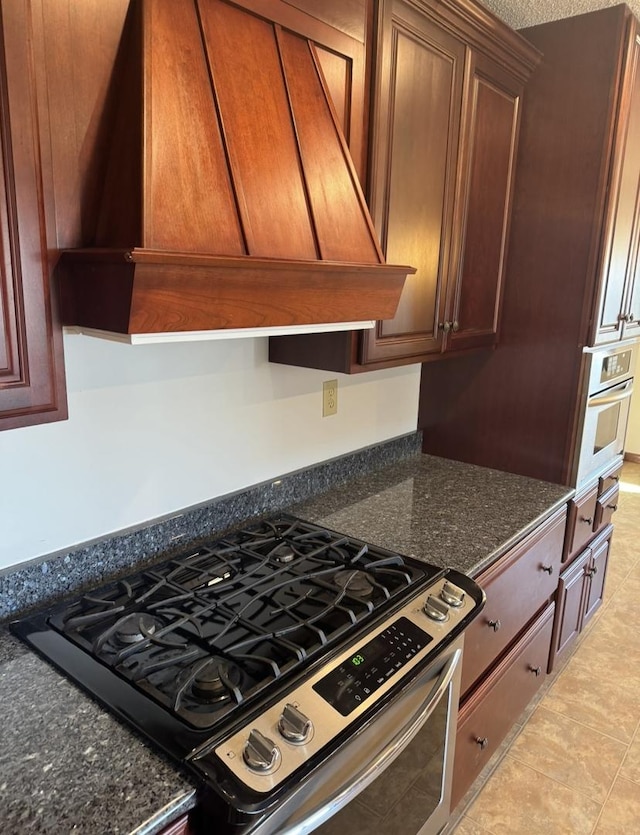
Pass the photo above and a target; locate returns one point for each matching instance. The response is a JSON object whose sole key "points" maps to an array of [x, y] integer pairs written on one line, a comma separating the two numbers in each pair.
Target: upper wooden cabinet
{"points": [[448, 83], [619, 291], [32, 383]]}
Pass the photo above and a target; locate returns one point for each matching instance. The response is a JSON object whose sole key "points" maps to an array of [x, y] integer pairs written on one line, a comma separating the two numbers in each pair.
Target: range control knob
{"points": [[260, 753], [452, 594], [435, 609], [294, 726]]}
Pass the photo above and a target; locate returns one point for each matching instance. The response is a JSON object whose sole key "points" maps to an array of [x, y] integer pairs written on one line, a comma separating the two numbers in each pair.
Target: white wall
{"points": [[155, 428]]}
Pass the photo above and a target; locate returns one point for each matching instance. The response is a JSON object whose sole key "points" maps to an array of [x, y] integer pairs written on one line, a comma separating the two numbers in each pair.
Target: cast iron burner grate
{"points": [[206, 631]]}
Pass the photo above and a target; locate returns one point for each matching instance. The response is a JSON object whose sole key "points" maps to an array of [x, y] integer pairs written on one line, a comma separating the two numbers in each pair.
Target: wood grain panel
{"points": [[620, 260], [263, 154], [32, 383], [492, 144], [415, 157], [336, 200], [188, 202], [336, 70]]}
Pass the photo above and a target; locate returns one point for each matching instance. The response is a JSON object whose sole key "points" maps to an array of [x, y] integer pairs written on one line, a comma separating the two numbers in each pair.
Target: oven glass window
{"points": [[607, 428], [406, 794]]}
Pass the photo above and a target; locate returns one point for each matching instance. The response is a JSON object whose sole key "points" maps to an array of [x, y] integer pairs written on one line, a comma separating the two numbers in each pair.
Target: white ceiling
{"points": [[519, 13]]}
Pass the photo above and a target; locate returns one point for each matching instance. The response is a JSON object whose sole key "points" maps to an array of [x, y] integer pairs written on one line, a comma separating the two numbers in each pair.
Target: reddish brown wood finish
{"points": [[240, 154], [517, 587], [606, 506], [581, 522], [610, 478], [445, 113], [517, 408], [488, 715], [32, 381], [158, 292], [580, 593], [179, 827]]}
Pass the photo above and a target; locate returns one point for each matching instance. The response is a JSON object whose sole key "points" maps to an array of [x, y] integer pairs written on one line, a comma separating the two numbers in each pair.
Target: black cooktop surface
{"points": [[209, 630]]}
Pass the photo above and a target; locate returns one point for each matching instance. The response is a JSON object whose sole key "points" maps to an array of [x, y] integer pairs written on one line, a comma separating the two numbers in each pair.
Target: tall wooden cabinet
{"points": [[573, 253], [32, 382], [446, 110]]}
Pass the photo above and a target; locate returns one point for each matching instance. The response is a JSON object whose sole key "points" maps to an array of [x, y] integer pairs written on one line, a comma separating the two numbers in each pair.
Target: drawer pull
{"points": [[482, 741], [494, 624], [588, 520], [591, 571], [612, 506], [536, 670], [547, 568]]}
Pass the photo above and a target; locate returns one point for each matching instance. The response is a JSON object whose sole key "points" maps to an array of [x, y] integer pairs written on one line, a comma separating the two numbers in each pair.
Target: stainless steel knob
{"points": [[435, 609], [547, 568], [455, 326], [452, 595], [482, 741], [494, 624], [294, 726], [588, 520], [535, 670], [260, 753]]}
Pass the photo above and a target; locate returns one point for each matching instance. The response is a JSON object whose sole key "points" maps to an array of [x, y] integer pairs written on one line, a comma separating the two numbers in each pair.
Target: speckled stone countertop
{"points": [[440, 511], [67, 766]]}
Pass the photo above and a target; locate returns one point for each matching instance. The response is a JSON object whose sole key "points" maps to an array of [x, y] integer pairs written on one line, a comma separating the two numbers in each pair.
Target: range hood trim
{"points": [[142, 291]]}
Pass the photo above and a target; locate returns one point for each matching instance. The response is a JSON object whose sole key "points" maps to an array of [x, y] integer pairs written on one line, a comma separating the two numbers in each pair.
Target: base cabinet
{"points": [[487, 716], [580, 593]]}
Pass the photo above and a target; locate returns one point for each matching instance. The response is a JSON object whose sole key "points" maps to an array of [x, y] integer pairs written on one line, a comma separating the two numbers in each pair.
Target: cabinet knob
{"points": [[455, 326], [535, 670], [482, 741], [588, 520], [590, 572], [494, 624], [547, 568], [444, 326], [612, 506]]}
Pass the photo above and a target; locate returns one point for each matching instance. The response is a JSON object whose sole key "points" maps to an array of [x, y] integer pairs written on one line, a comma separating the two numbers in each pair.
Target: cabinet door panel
{"points": [[32, 386], [621, 239], [417, 118], [570, 606], [494, 109], [596, 575]]}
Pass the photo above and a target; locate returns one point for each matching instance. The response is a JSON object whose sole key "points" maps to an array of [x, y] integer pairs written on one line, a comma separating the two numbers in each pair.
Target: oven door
{"points": [[394, 775], [605, 427]]}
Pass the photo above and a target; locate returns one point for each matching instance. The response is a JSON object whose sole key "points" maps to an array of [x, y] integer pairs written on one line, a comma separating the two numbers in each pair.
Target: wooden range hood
{"points": [[230, 199]]}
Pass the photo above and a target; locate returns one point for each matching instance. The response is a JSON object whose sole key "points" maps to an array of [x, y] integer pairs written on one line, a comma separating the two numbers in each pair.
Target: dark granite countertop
{"points": [[68, 766], [440, 511]]}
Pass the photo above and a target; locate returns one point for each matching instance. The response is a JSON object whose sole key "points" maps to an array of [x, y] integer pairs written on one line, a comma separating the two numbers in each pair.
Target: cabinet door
{"points": [[596, 573], [489, 147], [621, 235], [570, 606], [32, 385], [414, 161]]}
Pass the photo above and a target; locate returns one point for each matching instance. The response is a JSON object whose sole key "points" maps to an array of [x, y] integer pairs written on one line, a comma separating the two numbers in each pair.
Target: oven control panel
{"points": [[277, 742]]}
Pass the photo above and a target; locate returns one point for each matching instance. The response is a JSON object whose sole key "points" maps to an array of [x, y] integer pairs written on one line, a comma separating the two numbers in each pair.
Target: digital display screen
{"points": [[353, 681]]}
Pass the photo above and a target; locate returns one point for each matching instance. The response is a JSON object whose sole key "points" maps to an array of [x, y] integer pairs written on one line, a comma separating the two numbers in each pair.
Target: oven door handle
{"points": [[625, 391], [353, 783]]}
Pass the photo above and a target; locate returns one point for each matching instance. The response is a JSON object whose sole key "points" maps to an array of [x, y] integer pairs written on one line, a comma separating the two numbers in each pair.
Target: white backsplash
{"points": [[155, 428]]}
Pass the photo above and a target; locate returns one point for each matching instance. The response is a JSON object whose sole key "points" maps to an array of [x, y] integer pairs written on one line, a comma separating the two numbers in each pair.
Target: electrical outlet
{"points": [[329, 398]]}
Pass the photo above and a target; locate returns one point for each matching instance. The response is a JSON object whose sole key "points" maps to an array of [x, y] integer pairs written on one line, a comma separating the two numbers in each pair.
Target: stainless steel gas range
{"points": [[309, 680]]}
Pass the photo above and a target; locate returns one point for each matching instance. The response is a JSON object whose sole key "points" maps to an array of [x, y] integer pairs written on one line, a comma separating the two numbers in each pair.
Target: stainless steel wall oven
{"points": [[308, 680], [609, 386]]}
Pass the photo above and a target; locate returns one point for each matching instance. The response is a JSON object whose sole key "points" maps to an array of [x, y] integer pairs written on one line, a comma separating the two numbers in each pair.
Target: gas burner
{"points": [[135, 628], [216, 680], [355, 583], [283, 553]]}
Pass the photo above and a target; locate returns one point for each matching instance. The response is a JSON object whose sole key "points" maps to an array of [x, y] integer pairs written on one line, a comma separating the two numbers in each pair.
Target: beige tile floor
{"points": [[573, 765]]}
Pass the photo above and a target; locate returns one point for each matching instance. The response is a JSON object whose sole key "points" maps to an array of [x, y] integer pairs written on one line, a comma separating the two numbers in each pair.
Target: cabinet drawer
{"points": [[517, 586], [582, 511], [606, 506], [488, 715], [609, 479]]}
